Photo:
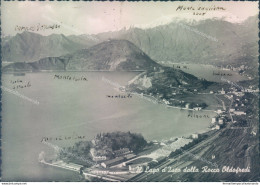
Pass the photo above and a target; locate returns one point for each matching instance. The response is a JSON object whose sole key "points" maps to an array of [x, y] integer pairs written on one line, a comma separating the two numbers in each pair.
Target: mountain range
{"points": [[115, 55], [210, 41], [109, 55], [29, 47], [186, 42]]}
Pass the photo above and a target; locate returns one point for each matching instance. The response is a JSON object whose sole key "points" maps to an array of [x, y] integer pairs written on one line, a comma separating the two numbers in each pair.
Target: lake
{"points": [[76, 108], [206, 72]]}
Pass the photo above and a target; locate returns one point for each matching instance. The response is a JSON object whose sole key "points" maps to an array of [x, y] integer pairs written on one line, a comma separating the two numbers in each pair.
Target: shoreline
{"points": [[57, 165], [158, 101], [172, 142], [83, 173], [52, 71]]}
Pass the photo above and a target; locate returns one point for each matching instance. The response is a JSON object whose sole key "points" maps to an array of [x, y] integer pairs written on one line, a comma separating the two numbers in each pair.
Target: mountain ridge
{"points": [[110, 55], [177, 42], [30, 46]]}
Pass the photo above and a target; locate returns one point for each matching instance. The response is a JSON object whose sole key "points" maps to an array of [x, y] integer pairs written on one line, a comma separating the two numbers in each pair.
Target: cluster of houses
{"points": [[237, 112], [232, 68], [121, 156], [219, 121], [238, 107], [124, 162], [119, 160]]}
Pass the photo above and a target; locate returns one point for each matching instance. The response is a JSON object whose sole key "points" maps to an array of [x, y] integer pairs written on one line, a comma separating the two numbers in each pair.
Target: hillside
{"points": [[29, 47], [211, 41], [104, 144], [166, 78], [49, 63], [167, 84], [110, 55]]}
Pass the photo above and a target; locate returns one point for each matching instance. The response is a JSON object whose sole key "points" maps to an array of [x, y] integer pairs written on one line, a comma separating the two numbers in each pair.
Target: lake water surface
{"points": [[77, 108], [209, 72]]}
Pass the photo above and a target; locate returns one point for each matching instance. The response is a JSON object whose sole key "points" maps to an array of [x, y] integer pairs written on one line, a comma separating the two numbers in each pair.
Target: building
{"points": [[162, 144], [166, 102], [136, 168], [219, 111], [110, 171], [113, 162], [160, 159], [229, 97], [220, 121], [99, 158], [121, 152], [239, 93], [130, 156], [194, 136], [213, 120], [249, 90], [231, 110], [222, 91], [239, 113], [217, 127], [253, 133]]}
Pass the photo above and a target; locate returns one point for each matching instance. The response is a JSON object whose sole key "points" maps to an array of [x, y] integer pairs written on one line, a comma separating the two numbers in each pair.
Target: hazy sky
{"points": [[95, 17]]}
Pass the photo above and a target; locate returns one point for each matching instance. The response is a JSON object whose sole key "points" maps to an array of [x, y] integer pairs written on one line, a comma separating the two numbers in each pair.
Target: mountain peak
{"points": [[28, 34], [111, 55], [165, 20]]}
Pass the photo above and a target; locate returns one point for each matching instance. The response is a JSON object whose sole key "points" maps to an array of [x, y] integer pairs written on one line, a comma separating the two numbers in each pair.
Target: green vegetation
{"points": [[118, 140], [104, 144], [79, 153], [176, 87]]}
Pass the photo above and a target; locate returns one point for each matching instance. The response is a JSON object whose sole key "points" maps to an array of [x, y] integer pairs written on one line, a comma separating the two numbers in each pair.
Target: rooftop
{"points": [[113, 160]]}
